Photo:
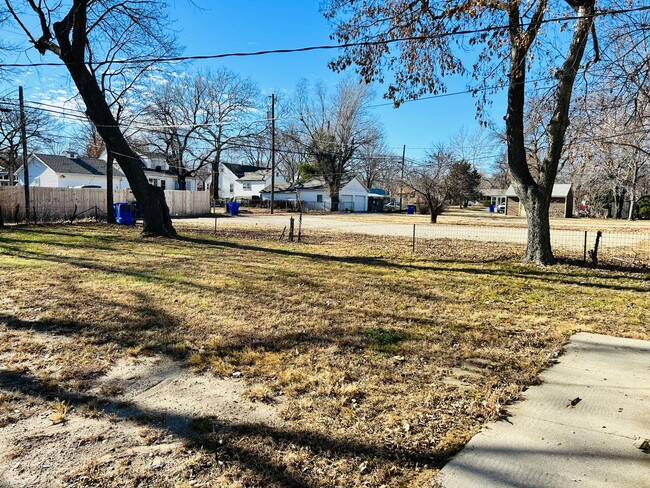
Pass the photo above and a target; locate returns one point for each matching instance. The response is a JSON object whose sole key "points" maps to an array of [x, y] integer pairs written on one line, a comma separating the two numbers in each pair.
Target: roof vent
{"points": [[71, 154]]}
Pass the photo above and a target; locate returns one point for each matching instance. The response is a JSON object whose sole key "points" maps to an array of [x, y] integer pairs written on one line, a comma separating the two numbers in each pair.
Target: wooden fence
{"points": [[52, 204]]}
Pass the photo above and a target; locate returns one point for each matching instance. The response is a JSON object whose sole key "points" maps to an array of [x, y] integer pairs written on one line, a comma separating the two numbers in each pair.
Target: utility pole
{"points": [[272, 151], [401, 181], [23, 135]]}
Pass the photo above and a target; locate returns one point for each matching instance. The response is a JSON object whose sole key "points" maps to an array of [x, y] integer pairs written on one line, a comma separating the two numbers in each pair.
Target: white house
{"points": [[314, 194], [241, 181], [157, 171], [68, 171]]}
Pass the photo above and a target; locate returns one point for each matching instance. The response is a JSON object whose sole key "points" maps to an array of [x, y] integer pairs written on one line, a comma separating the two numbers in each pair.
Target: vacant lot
{"points": [[325, 363]]}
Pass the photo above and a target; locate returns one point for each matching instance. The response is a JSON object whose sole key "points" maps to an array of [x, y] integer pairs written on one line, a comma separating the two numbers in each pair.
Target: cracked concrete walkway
{"points": [[547, 442]]}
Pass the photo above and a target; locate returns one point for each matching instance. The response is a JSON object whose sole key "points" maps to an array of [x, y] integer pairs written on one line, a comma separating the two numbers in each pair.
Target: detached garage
{"points": [[561, 202], [314, 195]]}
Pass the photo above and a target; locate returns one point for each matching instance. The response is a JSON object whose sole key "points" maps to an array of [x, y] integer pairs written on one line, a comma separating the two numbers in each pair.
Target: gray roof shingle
{"points": [[77, 165], [240, 170]]}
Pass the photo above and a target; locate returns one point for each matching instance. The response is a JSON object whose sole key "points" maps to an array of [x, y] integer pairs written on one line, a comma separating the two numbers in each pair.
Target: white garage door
{"points": [[346, 203], [360, 203]]}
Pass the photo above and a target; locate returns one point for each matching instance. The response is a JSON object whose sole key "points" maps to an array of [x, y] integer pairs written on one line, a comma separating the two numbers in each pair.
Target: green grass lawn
{"points": [[381, 363]]}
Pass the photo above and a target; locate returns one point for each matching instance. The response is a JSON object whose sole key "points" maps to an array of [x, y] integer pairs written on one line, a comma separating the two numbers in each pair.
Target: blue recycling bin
{"points": [[491, 207], [123, 213], [233, 208], [410, 209]]}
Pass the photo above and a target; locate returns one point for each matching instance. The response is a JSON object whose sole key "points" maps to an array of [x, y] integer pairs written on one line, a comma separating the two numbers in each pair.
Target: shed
{"points": [[561, 205]]}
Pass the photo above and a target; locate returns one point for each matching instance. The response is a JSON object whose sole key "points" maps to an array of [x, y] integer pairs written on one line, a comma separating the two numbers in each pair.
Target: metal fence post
{"points": [[584, 257], [413, 242]]}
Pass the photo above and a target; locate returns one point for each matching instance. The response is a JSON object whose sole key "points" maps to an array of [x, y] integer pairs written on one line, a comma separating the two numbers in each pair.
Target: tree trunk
{"points": [[151, 200], [434, 214], [630, 215], [334, 197], [110, 216], [214, 181], [182, 181], [615, 210], [535, 195], [538, 244]]}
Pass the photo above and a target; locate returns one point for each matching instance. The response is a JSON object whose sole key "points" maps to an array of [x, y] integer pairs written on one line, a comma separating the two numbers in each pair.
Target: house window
{"points": [[319, 198], [153, 181], [232, 188], [163, 184], [247, 186]]}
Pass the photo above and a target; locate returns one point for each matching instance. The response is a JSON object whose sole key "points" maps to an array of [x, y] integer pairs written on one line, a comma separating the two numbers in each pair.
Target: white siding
{"points": [[227, 180], [39, 175]]}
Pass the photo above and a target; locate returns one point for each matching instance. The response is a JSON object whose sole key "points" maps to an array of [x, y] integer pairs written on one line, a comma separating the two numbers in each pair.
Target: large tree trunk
{"points": [[538, 243], [535, 195], [151, 200]]}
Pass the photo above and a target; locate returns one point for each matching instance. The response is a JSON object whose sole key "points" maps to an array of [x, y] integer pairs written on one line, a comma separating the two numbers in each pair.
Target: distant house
{"points": [[69, 171], [561, 202], [497, 196], [314, 194], [158, 173], [4, 176], [241, 181]]}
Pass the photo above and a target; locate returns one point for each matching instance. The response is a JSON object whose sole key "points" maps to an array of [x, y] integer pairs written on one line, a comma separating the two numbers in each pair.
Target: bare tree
{"points": [[430, 180], [173, 116], [333, 128], [88, 36], [232, 118], [375, 164], [40, 129], [513, 37]]}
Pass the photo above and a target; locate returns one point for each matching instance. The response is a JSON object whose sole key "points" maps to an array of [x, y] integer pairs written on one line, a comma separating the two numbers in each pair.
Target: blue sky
{"points": [[222, 26]]}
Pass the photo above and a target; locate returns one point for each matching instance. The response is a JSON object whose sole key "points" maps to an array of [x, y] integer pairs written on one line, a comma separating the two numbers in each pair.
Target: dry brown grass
{"points": [[383, 363]]}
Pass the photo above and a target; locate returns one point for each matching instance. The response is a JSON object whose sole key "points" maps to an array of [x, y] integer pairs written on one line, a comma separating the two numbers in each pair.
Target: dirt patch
{"points": [[137, 422]]}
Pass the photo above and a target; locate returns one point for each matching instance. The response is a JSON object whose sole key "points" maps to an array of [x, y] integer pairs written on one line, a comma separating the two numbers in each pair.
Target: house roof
{"points": [[493, 192], [280, 187], [314, 184], [560, 190], [259, 175], [76, 165], [239, 170]]}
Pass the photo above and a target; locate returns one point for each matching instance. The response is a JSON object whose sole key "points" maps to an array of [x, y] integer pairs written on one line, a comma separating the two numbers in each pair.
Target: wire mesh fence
{"points": [[623, 248], [41, 213]]}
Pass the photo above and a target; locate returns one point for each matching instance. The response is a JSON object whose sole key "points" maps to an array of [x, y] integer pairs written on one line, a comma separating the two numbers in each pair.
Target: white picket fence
{"points": [[51, 204]]}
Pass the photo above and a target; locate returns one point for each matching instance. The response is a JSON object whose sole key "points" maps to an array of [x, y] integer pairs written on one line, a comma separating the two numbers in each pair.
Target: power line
{"points": [[171, 59]]}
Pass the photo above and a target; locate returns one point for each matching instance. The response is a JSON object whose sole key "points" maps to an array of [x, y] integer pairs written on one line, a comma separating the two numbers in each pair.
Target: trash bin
{"points": [[410, 209], [123, 213], [491, 208], [233, 208]]}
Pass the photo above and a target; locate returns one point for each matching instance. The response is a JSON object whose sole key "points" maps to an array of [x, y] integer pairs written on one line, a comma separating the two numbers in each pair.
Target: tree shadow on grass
{"points": [[224, 441], [545, 276]]}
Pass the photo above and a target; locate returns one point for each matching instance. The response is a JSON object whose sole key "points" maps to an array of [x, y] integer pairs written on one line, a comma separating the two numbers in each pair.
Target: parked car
{"points": [[391, 206], [501, 208]]}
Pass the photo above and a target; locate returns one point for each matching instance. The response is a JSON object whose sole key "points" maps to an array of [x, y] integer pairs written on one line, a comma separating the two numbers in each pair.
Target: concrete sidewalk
{"points": [[547, 442]]}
